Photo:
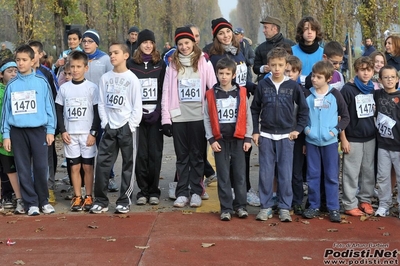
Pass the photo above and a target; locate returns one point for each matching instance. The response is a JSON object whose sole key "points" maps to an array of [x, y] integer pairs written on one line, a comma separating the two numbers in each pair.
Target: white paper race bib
{"points": [[384, 124], [76, 108], [23, 102], [227, 110], [365, 105], [319, 102], [149, 89], [115, 96], [241, 74], [189, 90]]}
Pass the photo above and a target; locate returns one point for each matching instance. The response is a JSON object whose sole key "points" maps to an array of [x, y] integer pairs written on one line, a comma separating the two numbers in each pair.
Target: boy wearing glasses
{"points": [[358, 141], [388, 124], [333, 52]]}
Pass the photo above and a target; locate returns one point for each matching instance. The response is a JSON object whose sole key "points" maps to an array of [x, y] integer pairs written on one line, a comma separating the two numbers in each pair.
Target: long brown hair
{"points": [[395, 44], [155, 55], [217, 47], [195, 58]]}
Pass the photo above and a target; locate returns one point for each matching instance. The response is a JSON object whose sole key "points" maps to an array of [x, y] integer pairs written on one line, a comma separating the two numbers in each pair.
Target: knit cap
{"points": [[218, 24], [146, 35], [184, 32], [133, 29], [92, 34]]}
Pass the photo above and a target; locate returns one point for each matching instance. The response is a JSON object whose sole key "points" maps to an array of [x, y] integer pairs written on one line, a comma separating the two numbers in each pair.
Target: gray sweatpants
{"points": [[358, 173], [385, 161]]}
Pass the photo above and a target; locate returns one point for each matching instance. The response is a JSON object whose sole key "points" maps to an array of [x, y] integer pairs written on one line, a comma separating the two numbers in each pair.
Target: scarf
{"points": [[309, 49], [96, 55], [146, 57], [230, 49], [365, 89], [277, 38], [186, 60]]}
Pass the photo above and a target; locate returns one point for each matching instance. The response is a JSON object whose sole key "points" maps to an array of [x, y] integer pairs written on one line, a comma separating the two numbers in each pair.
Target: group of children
{"points": [[285, 121]]}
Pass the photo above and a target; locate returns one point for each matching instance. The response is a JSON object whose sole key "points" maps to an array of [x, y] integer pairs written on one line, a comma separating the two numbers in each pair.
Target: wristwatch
{"points": [[94, 133]]}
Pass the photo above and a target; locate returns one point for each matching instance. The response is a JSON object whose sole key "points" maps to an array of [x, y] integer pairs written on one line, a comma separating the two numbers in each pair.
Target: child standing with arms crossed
{"points": [[326, 104], [228, 125], [274, 102], [78, 118], [120, 110], [28, 123], [388, 124]]}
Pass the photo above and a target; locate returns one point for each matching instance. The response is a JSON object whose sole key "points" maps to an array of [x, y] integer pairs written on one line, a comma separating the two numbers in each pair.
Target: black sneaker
{"points": [[8, 204], [311, 213], [297, 209], [334, 216]]}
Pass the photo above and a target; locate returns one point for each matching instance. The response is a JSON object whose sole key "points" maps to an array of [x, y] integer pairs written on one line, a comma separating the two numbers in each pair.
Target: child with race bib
{"points": [[182, 105]]}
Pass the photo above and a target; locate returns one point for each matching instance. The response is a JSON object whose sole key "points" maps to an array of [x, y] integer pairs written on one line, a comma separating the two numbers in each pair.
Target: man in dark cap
{"points": [[132, 39], [271, 30]]}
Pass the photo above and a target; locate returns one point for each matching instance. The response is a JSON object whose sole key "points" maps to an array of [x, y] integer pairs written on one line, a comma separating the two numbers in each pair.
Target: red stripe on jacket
{"points": [[240, 129]]}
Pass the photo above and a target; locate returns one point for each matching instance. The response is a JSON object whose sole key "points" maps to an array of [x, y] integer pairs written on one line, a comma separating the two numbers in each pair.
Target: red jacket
{"points": [[240, 129]]}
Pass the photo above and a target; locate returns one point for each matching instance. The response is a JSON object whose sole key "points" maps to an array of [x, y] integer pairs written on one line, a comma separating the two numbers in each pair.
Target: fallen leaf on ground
{"points": [[307, 258], [19, 262], [183, 250], [161, 177], [332, 230], [142, 247], [111, 240], [363, 218], [345, 222], [123, 216], [273, 224], [40, 229], [207, 245], [321, 218], [37, 220], [381, 228], [93, 226], [29, 249], [386, 234], [305, 222], [186, 212], [62, 218], [11, 222]]}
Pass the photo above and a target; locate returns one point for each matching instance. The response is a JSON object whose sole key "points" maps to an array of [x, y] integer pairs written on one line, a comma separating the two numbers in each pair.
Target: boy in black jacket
{"points": [[274, 102]]}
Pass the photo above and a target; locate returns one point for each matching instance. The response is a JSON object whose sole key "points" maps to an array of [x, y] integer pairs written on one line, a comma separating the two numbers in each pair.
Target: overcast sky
{"points": [[226, 7]]}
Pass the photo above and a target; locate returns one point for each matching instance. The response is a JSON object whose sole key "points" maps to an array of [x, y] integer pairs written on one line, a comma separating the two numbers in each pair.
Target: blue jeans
{"points": [[327, 156], [279, 152]]}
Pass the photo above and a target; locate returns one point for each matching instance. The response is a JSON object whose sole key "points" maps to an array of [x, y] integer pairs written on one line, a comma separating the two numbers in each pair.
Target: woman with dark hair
{"points": [[308, 36], [148, 66], [225, 45], [392, 53]]}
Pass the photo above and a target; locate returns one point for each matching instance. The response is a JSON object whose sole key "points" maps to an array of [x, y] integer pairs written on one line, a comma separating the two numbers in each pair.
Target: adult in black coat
{"points": [[271, 30]]}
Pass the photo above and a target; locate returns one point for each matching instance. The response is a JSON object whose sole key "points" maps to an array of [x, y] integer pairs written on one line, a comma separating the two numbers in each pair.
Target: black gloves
{"points": [[167, 130]]}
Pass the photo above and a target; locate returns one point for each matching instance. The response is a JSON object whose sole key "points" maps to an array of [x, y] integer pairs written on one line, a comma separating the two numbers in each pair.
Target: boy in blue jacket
{"points": [[28, 123], [326, 104], [273, 107]]}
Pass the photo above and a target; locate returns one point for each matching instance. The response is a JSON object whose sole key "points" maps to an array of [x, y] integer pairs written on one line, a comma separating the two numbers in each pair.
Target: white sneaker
{"points": [[382, 212], [33, 211], [195, 201], [20, 207], [171, 190], [205, 196], [181, 202], [252, 198], [47, 209]]}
